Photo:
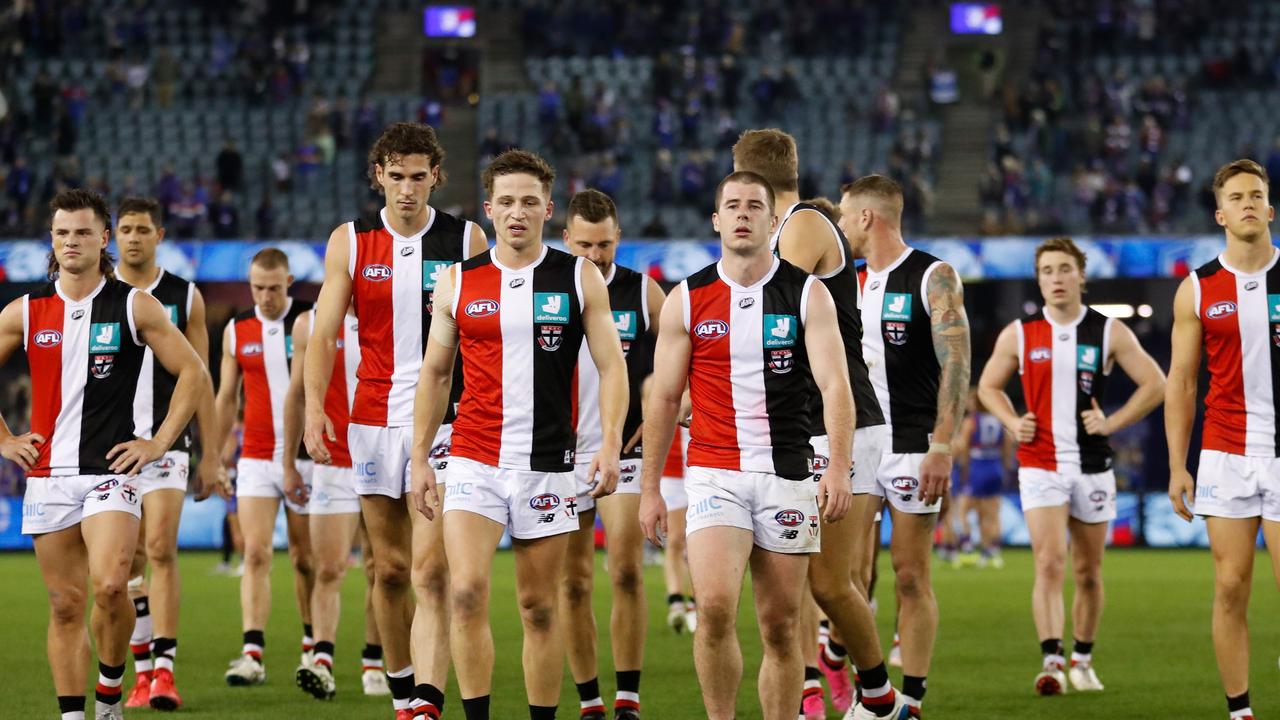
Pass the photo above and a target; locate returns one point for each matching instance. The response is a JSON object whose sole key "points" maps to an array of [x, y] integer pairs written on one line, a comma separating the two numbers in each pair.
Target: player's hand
{"points": [[604, 473], [22, 449], [210, 477], [228, 457], [685, 416], [835, 493], [294, 488], [653, 517], [316, 430], [935, 477], [130, 457], [422, 484], [1182, 488], [1026, 430], [1095, 421], [634, 440]]}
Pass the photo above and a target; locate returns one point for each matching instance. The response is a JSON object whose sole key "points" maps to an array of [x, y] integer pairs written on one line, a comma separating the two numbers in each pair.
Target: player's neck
{"points": [[1066, 313], [79, 286], [783, 202], [284, 309], [518, 258], [139, 276], [883, 249], [410, 226], [1249, 256], [746, 269]]}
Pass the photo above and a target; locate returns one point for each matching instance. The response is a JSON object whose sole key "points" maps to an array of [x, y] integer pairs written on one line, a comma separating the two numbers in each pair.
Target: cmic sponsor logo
{"points": [[789, 518], [366, 472], [1220, 310], [406, 251], [711, 329], [705, 506], [545, 502], [516, 283], [482, 308], [1040, 354], [1207, 492], [904, 483], [77, 314], [173, 313], [460, 489], [1251, 285], [30, 510], [376, 273], [47, 338]]}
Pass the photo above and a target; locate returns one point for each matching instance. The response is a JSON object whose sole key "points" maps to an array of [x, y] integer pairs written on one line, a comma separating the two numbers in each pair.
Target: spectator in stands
{"points": [[367, 125], [664, 124], [655, 228], [309, 161], [265, 217], [65, 133], [1273, 164], [548, 111], [691, 121], [18, 188], [164, 78], [885, 112], [662, 183], [43, 93], [230, 167], [282, 172], [187, 212], [608, 177], [168, 188], [224, 216], [693, 180], [136, 77], [431, 112]]}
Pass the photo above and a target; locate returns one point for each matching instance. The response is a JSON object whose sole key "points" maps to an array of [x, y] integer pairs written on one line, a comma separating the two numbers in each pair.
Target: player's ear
{"points": [[551, 207], [1219, 218], [715, 221]]}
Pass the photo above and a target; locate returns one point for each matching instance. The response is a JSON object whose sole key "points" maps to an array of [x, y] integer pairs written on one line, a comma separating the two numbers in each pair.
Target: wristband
{"points": [[940, 447]]}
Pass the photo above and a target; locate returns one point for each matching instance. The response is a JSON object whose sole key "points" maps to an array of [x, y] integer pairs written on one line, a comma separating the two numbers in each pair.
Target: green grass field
{"points": [[1154, 652]]}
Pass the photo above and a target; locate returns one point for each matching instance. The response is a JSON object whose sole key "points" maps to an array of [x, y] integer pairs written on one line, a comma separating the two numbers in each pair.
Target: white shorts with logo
{"points": [[333, 491], [781, 514], [898, 481], [869, 444], [1091, 496], [628, 482], [168, 473], [673, 494], [265, 479], [380, 457], [530, 504], [1238, 486], [61, 501]]}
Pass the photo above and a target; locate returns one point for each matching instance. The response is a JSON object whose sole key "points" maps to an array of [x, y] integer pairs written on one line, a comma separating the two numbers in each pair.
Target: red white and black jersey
{"points": [[393, 283], [519, 334], [342, 389], [85, 359], [845, 291], [264, 350], [1240, 317], [155, 384], [897, 343], [749, 376], [1064, 369], [674, 465], [629, 300]]}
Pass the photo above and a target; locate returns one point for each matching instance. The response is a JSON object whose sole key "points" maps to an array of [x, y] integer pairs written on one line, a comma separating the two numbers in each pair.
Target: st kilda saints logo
{"points": [[895, 333], [102, 366]]}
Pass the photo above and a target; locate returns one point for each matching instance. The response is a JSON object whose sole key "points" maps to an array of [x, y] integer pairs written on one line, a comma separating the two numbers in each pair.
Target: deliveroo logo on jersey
{"points": [[1273, 307], [551, 308], [104, 338], [288, 347], [173, 313], [779, 331], [1088, 357], [625, 322], [897, 306], [431, 270]]}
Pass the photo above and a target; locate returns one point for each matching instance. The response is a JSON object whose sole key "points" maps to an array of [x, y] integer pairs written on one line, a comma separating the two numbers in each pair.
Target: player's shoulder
{"points": [[47, 290], [704, 277], [243, 315], [1209, 269], [789, 273], [368, 222], [117, 290], [446, 224], [623, 275], [556, 259], [1036, 316]]}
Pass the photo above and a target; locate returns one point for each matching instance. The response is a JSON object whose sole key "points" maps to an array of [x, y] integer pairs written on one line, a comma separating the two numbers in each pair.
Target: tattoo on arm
{"points": [[950, 328]]}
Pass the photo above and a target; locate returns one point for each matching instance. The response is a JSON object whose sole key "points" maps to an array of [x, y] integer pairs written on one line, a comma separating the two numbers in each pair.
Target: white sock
{"points": [[1081, 659], [1247, 712], [74, 715]]}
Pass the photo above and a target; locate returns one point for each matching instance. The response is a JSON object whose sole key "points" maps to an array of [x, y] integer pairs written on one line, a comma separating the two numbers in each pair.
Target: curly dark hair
{"points": [[83, 199], [406, 138]]}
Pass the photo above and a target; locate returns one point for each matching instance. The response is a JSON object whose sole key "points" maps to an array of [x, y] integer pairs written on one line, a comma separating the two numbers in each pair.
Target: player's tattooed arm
{"points": [[950, 329]]}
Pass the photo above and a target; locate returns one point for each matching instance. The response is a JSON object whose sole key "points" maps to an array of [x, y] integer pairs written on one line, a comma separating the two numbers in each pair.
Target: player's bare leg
{"points": [[64, 564], [1088, 540], [332, 535], [777, 581], [161, 513], [1049, 549], [576, 615], [257, 524], [1232, 542], [675, 570], [718, 558], [470, 541], [628, 618], [911, 551], [430, 629], [539, 568], [298, 529], [110, 539], [862, 545], [388, 525], [143, 629]]}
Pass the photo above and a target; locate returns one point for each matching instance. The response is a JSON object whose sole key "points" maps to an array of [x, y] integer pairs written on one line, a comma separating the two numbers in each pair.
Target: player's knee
{"points": [[1231, 591], [468, 599], [576, 589], [716, 616], [108, 591], [1050, 567], [628, 579], [1089, 581], [331, 571], [66, 606], [391, 572], [431, 582], [828, 590], [778, 632], [537, 613], [161, 553], [257, 559], [301, 563], [912, 583]]}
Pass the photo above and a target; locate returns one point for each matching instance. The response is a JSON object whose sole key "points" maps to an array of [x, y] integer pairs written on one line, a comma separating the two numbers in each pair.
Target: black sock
{"points": [[628, 680], [674, 598], [431, 694], [812, 673], [825, 624], [371, 652], [70, 703], [1084, 648], [255, 637], [110, 673], [1239, 702], [326, 648], [542, 712], [589, 690], [913, 687], [476, 708], [835, 648], [1052, 646], [167, 648], [401, 687], [876, 677]]}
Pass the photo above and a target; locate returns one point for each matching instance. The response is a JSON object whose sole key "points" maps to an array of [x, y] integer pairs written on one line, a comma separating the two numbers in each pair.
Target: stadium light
{"points": [[1116, 310]]}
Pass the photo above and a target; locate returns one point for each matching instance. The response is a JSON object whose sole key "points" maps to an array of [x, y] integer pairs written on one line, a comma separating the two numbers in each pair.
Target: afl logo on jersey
{"points": [[482, 308], [545, 502], [789, 518], [1220, 310], [711, 329], [376, 273], [1040, 354], [47, 338], [905, 484], [251, 349], [820, 462]]}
